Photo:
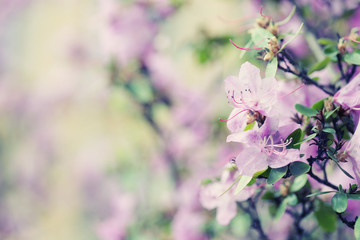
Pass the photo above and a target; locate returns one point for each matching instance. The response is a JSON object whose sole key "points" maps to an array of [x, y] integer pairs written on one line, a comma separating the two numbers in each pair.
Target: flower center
{"points": [[269, 147]]}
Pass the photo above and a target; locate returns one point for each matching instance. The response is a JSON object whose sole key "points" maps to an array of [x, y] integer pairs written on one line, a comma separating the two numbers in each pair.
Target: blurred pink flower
{"points": [[226, 204], [115, 227], [348, 96]]}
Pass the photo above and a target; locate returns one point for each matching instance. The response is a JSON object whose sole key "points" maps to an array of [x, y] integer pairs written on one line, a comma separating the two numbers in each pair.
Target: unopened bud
{"points": [[273, 28], [341, 156], [328, 104], [341, 46]]}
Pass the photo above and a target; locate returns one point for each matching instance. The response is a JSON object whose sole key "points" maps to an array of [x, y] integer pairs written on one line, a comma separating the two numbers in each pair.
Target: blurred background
{"points": [[109, 113]]}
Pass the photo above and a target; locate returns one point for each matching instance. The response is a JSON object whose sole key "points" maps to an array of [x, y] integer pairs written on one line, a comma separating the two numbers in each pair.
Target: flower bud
{"points": [[341, 46]]}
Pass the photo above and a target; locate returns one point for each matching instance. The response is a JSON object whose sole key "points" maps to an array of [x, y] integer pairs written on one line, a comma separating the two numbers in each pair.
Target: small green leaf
{"points": [[339, 202], [299, 183], [259, 173], [319, 193], [268, 196], [311, 136], [305, 110], [259, 34], [287, 19], [326, 217], [353, 196], [328, 114], [292, 200], [352, 58], [292, 39], [319, 105], [331, 52], [244, 180], [271, 68], [296, 136], [281, 210], [326, 41], [276, 174], [236, 180], [319, 66], [329, 130], [357, 229], [331, 155], [249, 126], [298, 168]]}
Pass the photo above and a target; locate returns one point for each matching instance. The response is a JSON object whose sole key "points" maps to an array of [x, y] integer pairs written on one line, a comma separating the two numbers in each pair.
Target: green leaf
{"points": [[339, 202], [271, 68], [236, 180], [244, 180], [298, 168], [331, 52], [296, 136], [306, 139], [353, 196], [319, 66], [288, 18], [326, 217], [299, 183], [268, 196], [259, 36], [329, 130], [292, 39], [305, 110], [276, 174], [328, 114], [319, 193], [291, 199], [352, 58], [326, 41], [258, 173], [331, 155], [249, 126], [319, 105], [357, 229], [281, 210]]}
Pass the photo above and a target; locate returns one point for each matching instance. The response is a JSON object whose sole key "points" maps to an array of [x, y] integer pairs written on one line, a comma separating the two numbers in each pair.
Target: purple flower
{"points": [[226, 204], [249, 92], [352, 149], [264, 148]]}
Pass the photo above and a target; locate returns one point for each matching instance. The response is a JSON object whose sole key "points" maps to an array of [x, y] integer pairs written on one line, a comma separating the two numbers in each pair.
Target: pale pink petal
{"points": [[250, 161]]}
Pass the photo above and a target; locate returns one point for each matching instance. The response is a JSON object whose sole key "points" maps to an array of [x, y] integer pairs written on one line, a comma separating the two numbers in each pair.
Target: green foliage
{"points": [[352, 58], [329, 130], [326, 217], [259, 36], [298, 168], [271, 67], [319, 105], [296, 136], [320, 65], [339, 202], [305, 110], [319, 193], [276, 174], [299, 183], [311, 136], [326, 41], [331, 52]]}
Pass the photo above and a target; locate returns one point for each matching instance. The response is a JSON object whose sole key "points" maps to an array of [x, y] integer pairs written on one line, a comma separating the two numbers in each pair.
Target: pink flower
{"points": [[226, 204], [353, 151], [264, 148], [249, 92], [348, 96]]}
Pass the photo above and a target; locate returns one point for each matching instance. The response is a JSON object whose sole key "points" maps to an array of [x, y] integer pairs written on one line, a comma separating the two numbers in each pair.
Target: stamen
{"points": [[270, 148], [292, 91], [351, 39], [247, 49], [233, 97], [233, 116], [261, 13]]}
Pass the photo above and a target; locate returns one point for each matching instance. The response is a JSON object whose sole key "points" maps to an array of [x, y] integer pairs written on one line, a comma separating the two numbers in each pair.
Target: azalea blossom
{"points": [[211, 196], [249, 92], [264, 148]]}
